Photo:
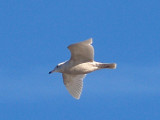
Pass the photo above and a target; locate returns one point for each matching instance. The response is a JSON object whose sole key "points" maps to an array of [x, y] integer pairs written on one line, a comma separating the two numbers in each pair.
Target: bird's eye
{"points": [[57, 66]]}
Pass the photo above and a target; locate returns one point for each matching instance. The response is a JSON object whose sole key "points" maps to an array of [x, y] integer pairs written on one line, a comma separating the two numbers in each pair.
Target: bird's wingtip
{"points": [[77, 98]]}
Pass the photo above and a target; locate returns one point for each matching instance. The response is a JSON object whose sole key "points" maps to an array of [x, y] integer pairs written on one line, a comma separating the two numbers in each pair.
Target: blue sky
{"points": [[34, 35]]}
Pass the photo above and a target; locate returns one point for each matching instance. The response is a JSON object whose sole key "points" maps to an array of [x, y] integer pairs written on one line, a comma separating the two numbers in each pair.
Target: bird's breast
{"points": [[82, 68]]}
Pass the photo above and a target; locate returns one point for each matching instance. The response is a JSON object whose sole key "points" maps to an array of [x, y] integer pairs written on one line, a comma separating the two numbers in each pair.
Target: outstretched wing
{"points": [[74, 84], [82, 51]]}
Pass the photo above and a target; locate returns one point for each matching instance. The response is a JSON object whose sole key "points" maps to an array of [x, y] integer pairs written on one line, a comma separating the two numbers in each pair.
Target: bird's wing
{"points": [[82, 51], [74, 84]]}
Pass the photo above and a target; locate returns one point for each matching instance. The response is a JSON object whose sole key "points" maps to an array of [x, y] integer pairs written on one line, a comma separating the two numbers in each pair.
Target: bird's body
{"points": [[80, 63], [70, 67]]}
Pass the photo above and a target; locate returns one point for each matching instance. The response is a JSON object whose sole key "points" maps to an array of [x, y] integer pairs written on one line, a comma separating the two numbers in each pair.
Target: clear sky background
{"points": [[34, 35]]}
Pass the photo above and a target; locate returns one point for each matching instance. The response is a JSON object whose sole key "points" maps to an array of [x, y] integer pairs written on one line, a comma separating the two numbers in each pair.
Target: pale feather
{"points": [[74, 84], [82, 51]]}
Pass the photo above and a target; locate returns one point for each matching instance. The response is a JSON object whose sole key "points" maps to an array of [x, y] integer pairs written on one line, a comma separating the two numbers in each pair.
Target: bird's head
{"points": [[58, 68]]}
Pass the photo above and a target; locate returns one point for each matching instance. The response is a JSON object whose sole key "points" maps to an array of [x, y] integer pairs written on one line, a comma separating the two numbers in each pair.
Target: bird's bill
{"points": [[51, 71]]}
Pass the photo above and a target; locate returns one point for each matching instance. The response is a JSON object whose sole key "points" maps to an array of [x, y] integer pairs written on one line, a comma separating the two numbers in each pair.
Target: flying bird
{"points": [[80, 63]]}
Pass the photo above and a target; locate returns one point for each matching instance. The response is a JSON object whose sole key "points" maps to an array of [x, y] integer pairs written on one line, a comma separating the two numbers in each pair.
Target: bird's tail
{"points": [[108, 65]]}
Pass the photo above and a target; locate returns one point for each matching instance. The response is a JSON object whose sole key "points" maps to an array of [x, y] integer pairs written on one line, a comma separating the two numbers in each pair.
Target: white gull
{"points": [[80, 63]]}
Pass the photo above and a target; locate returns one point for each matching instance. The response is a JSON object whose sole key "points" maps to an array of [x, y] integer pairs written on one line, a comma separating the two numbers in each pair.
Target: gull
{"points": [[80, 63]]}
